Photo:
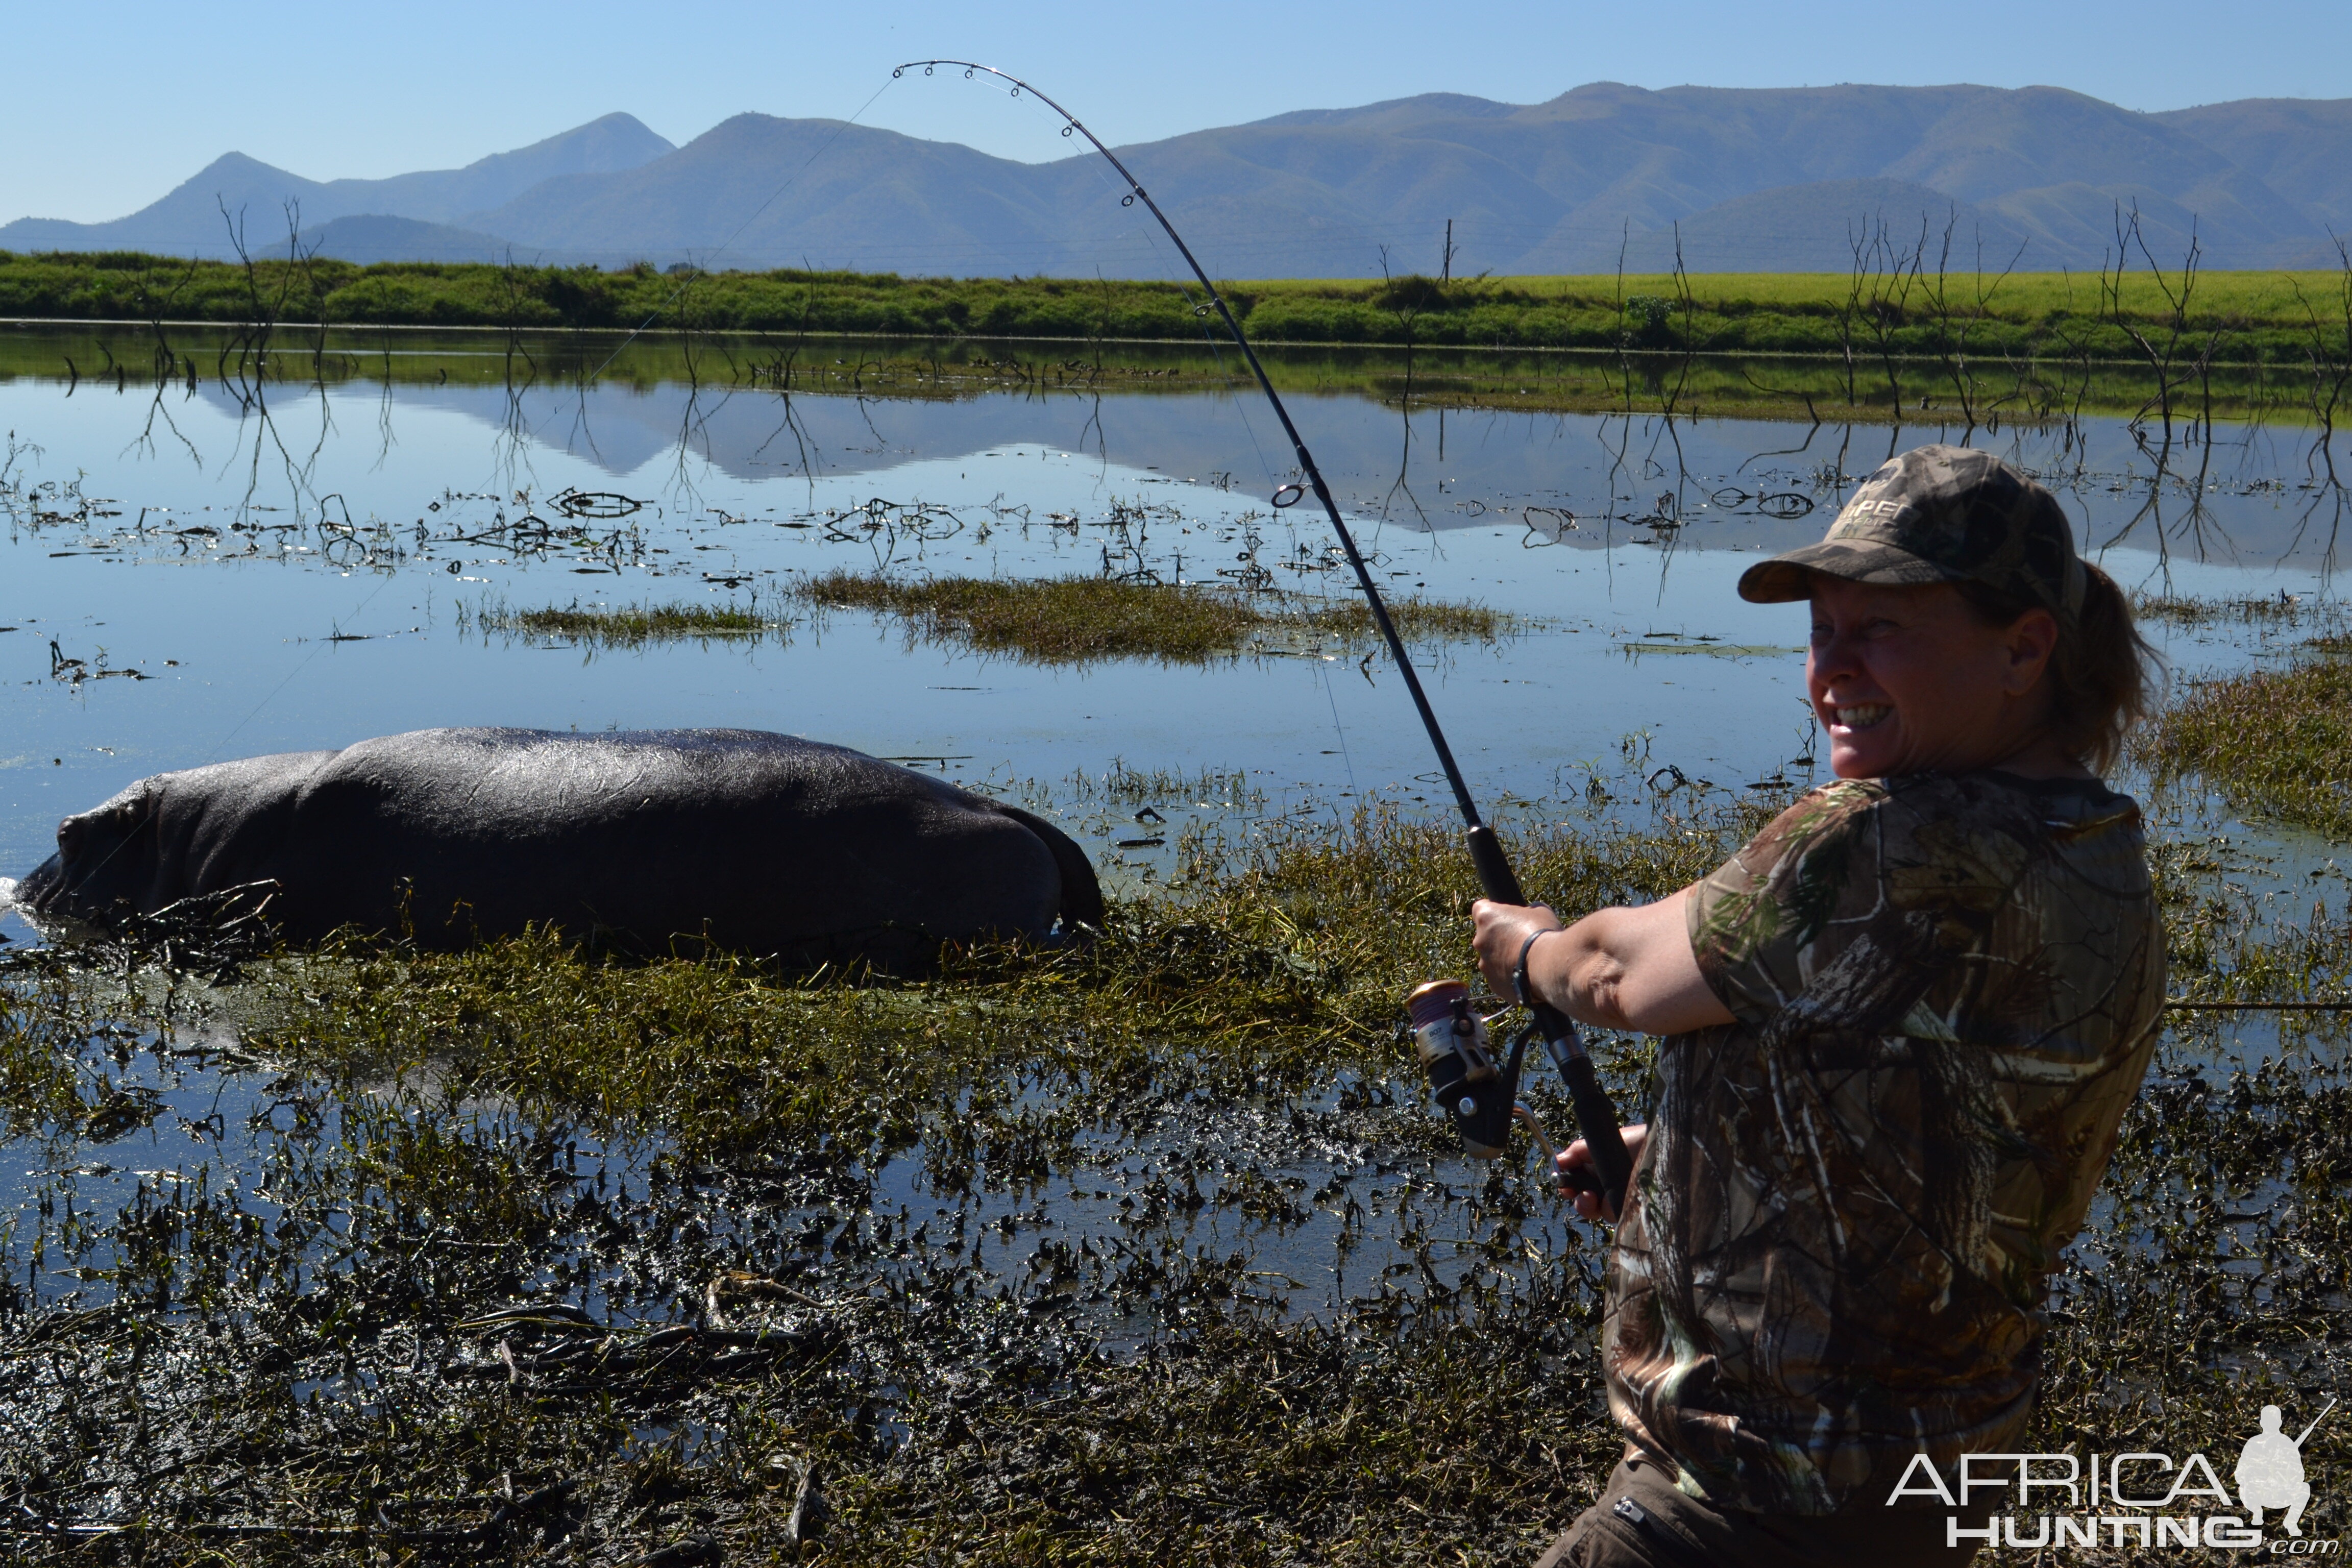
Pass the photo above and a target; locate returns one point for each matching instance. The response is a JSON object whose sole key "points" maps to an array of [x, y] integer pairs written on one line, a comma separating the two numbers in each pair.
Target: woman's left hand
{"points": [[1503, 930]]}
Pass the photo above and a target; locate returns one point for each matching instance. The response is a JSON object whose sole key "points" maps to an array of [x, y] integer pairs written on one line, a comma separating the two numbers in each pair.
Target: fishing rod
{"points": [[1481, 1097]]}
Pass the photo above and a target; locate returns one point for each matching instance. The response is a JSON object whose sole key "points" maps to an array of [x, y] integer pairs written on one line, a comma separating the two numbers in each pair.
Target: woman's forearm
{"points": [[1627, 968], [1582, 969]]}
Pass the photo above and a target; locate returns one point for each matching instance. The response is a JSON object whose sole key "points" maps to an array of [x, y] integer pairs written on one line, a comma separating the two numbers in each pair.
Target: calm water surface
{"points": [[294, 572]]}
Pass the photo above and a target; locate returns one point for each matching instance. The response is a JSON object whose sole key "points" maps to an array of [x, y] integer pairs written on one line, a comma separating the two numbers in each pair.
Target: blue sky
{"points": [[106, 107]]}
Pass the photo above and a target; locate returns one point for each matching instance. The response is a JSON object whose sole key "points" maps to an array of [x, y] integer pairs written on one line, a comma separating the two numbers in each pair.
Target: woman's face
{"points": [[1908, 680]]}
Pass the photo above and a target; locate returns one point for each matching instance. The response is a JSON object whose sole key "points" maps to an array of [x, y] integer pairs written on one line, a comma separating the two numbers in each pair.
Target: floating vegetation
{"points": [[1710, 645], [1416, 619], [1058, 620], [2277, 742], [1074, 620], [2282, 608], [623, 626], [1121, 784]]}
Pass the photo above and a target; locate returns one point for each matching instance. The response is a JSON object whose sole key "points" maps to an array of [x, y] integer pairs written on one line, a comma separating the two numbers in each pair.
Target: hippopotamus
{"points": [[757, 843]]}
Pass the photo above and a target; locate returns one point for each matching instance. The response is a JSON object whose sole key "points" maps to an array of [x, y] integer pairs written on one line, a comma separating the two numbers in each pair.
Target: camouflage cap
{"points": [[1939, 514]]}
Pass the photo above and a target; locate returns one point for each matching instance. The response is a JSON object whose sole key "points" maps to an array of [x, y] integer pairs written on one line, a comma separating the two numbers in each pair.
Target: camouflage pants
{"points": [[1642, 1521]]}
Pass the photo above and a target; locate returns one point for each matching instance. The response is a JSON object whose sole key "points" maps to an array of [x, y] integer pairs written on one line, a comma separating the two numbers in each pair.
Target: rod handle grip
{"points": [[1596, 1114], [1495, 877]]}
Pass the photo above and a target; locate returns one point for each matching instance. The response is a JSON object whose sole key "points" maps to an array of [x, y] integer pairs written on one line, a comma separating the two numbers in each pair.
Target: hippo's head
{"points": [[106, 855]]}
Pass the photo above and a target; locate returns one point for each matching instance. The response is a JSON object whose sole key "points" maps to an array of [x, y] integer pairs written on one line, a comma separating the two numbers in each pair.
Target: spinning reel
{"points": [[1481, 1096]]}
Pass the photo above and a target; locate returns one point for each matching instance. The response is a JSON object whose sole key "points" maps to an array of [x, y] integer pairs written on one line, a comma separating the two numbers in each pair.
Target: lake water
{"points": [[300, 570], [221, 547]]}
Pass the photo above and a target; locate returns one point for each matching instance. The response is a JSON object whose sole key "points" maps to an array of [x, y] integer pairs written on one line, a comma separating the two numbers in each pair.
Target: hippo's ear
{"points": [[118, 820]]}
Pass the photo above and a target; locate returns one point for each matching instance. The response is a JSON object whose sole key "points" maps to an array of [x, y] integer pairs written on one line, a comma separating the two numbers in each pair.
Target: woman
{"points": [[1902, 1026]]}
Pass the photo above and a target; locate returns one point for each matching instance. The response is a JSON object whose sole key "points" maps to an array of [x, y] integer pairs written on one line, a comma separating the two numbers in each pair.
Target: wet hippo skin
{"points": [[653, 841]]}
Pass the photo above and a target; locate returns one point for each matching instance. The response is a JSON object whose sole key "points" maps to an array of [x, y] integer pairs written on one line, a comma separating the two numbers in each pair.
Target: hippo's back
{"points": [[525, 786], [757, 841]]}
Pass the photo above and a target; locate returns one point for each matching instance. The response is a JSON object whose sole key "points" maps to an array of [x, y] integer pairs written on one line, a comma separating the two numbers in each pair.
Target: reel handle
{"points": [[1596, 1114]]}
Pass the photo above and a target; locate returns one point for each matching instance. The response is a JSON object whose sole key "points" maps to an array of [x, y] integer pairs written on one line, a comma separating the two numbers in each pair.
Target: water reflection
{"points": [[387, 503], [2153, 481]]}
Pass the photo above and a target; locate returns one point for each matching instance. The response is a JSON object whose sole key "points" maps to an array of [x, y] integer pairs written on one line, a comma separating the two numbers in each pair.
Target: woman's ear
{"points": [[2030, 640]]}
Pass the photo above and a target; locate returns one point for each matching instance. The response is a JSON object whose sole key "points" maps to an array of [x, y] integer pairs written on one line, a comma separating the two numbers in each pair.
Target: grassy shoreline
{"points": [[1963, 348], [129, 356], [2242, 318]]}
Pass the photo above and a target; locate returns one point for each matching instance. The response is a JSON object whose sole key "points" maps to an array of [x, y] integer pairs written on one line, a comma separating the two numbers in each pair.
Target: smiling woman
{"points": [[1903, 1022], [1963, 638]]}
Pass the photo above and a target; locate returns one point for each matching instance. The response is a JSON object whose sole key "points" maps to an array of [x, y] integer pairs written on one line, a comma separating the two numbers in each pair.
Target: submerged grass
{"points": [[2276, 742], [541, 1256], [621, 625], [1122, 785], [1275, 972], [1069, 620], [439, 1212], [2282, 608]]}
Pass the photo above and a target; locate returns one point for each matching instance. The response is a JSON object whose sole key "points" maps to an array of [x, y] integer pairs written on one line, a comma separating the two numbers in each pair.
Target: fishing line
{"points": [[1208, 335], [1338, 728], [298, 669], [1265, 467], [1596, 1115], [1201, 313], [236, 729]]}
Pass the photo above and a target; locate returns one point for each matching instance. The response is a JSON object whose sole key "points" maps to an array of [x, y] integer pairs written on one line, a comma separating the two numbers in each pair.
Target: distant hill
{"points": [[2296, 146], [1750, 180], [1758, 180], [373, 238], [1815, 228], [899, 204], [189, 222]]}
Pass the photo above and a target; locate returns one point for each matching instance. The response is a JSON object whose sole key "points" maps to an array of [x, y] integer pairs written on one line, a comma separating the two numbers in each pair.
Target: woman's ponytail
{"points": [[2106, 678], [2103, 678]]}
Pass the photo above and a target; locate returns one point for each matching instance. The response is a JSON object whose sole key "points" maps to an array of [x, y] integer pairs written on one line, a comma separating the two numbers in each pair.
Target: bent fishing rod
{"points": [[1480, 1097]]}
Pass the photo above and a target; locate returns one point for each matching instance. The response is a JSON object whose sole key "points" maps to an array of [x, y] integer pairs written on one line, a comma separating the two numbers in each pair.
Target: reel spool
{"points": [[1454, 1049], [1481, 1097]]}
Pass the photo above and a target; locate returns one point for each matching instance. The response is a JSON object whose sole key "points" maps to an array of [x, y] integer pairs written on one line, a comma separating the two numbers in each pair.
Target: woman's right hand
{"points": [[1579, 1156]]}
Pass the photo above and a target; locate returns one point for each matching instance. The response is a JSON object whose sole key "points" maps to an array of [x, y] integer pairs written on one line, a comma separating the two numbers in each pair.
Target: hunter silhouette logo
{"points": [[2270, 1471]]}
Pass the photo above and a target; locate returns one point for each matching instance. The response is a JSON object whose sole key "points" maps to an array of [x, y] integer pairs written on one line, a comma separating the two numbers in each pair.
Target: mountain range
{"points": [[1741, 179]]}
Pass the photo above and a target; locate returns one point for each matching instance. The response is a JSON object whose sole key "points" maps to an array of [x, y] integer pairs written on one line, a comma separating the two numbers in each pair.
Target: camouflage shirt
{"points": [[1946, 989]]}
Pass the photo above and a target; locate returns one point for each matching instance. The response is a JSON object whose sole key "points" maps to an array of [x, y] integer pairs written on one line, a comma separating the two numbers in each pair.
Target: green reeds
{"points": [[2282, 609]]}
